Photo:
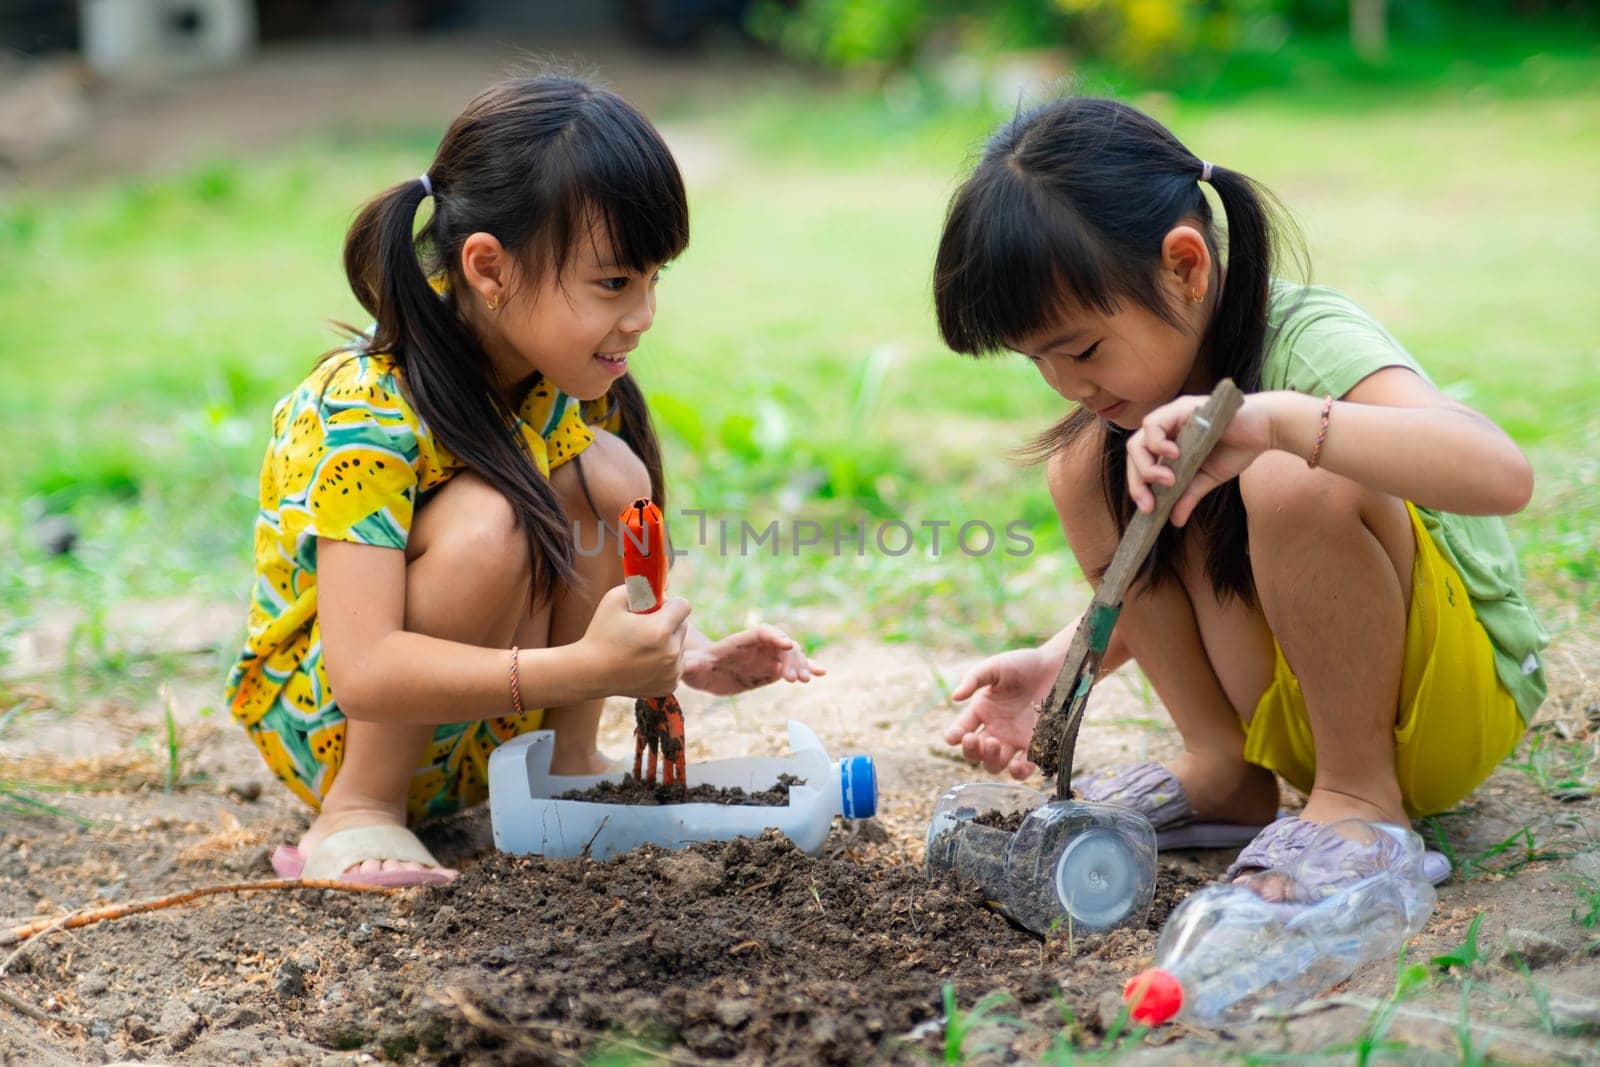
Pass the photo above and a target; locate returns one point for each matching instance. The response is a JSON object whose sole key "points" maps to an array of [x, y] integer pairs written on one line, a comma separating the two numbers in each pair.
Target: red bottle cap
{"points": [[1153, 996]]}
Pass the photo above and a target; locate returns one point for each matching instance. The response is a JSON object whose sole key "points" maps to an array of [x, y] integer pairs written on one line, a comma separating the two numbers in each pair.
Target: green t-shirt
{"points": [[1321, 342]]}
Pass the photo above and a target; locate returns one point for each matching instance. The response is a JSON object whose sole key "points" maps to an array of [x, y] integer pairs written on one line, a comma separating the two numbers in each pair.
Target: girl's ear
{"points": [[486, 267], [1186, 264]]}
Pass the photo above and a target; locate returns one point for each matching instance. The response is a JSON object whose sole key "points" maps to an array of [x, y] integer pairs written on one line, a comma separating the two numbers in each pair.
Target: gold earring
{"points": [[1195, 298], [494, 302]]}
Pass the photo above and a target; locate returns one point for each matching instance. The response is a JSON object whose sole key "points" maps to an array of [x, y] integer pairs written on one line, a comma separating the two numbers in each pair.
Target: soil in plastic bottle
{"points": [[632, 791]]}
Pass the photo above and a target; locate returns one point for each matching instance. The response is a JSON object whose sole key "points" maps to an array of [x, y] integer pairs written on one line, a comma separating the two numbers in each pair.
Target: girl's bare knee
{"points": [[1288, 504], [614, 475], [473, 523], [1282, 494], [1279, 486]]}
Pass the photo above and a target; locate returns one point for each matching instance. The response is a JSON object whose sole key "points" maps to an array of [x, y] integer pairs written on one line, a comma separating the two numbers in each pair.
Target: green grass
{"points": [[1431, 52], [985, 1014], [18, 797], [1586, 914], [1566, 770], [151, 323]]}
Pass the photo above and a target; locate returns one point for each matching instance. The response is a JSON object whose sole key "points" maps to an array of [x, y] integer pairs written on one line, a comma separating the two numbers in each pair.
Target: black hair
{"points": [[534, 161], [1068, 207]]}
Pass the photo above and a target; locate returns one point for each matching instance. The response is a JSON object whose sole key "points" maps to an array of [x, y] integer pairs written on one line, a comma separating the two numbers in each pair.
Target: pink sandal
{"points": [[1153, 791], [1336, 858]]}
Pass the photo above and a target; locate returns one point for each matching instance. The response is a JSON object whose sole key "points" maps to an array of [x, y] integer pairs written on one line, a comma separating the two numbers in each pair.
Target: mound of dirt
{"points": [[748, 948]]}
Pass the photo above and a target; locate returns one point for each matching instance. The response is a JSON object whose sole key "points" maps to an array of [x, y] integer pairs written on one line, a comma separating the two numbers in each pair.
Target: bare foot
{"points": [[332, 820], [1224, 790]]}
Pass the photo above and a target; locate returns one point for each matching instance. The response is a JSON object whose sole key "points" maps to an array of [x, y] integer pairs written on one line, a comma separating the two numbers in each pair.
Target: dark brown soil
{"points": [[748, 947], [1009, 822], [633, 791], [747, 950]]}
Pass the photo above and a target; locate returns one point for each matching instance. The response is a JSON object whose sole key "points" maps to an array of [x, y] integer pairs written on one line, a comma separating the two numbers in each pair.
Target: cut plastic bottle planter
{"points": [[529, 820], [1070, 865]]}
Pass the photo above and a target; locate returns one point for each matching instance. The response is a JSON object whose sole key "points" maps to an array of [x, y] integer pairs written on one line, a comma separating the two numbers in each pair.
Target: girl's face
{"points": [[576, 329], [1121, 366], [1124, 365]]}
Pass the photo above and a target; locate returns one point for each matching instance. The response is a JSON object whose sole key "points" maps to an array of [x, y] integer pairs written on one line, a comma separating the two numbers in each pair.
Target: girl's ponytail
{"points": [[1234, 346], [446, 373], [373, 236], [1239, 322]]}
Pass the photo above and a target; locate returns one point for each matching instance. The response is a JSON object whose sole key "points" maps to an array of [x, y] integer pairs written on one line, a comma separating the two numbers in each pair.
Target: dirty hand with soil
{"points": [[746, 660]]}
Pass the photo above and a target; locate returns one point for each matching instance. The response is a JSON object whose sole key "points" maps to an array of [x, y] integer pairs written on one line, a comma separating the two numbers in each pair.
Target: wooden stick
{"points": [[90, 916], [11, 1000], [1055, 736]]}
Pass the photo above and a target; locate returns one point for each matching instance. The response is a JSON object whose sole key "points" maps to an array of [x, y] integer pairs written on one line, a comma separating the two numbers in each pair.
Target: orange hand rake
{"points": [[658, 721]]}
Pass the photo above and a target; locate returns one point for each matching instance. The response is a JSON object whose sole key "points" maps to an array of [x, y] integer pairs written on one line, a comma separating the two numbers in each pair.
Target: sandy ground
{"points": [[315, 977]]}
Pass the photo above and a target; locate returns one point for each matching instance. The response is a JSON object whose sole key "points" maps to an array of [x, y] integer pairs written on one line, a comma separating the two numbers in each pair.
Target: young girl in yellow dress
{"points": [[1336, 601], [437, 569]]}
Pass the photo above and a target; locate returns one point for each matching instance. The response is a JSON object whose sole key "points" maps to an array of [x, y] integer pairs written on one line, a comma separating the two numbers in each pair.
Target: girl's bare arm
{"points": [[1396, 433], [1392, 432], [378, 670]]}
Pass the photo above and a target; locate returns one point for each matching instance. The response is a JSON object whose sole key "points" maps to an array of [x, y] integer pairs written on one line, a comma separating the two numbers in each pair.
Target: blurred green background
{"points": [[1443, 170]]}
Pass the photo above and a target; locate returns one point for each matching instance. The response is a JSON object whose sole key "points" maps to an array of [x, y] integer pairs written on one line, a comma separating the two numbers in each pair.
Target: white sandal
{"points": [[336, 854]]}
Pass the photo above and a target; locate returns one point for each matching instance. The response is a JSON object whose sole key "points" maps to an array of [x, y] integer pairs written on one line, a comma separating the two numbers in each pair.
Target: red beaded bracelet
{"points": [[516, 683], [1322, 432]]}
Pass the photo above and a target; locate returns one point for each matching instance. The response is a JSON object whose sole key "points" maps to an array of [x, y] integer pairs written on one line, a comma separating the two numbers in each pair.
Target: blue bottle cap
{"points": [[858, 784]]}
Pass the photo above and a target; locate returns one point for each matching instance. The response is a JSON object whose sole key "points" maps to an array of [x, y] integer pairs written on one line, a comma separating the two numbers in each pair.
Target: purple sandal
{"points": [[1331, 857], [1153, 791]]}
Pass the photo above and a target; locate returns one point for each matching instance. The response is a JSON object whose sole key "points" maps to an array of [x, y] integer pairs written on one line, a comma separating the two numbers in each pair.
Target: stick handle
{"points": [[1195, 442], [1056, 732]]}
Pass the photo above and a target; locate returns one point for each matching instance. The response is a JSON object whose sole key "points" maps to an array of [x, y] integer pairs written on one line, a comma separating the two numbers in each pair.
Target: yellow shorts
{"points": [[1456, 721]]}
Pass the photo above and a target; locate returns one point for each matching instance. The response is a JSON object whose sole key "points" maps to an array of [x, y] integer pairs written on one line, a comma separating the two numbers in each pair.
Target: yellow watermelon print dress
{"points": [[350, 460]]}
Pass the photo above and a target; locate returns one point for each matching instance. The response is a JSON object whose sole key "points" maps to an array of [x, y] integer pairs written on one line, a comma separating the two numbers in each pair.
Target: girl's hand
{"points": [[1248, 435], [636, 655], [747, 660], [995, 728]]}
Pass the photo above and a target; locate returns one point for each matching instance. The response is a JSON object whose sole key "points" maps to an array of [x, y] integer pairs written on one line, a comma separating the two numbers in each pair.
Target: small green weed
{"points": [[960, 1025], [1563, 769], [1509, 856], [1410, 979], [1465, 954], [1065, 1047]]}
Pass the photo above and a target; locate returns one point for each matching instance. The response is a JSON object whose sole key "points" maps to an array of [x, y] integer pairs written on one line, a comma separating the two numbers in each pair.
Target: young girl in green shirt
{"points": [[1335, 602]]}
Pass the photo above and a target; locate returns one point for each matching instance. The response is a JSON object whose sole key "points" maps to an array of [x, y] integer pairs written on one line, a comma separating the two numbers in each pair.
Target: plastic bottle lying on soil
{"points": [[1066, 865], [1226, 952]]}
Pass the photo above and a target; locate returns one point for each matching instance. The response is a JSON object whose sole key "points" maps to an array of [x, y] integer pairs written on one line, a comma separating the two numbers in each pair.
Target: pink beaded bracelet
{"points": [[516, 682], [1322, 433]]}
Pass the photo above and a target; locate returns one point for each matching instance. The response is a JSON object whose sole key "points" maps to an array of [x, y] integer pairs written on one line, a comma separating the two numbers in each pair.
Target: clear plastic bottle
{"points": [[1227, 952], [1068, 865]]}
